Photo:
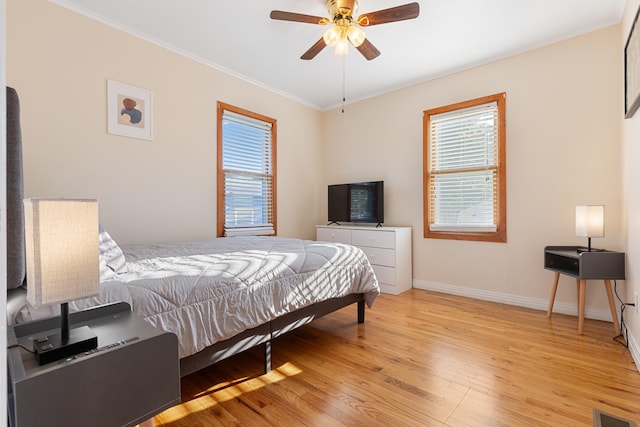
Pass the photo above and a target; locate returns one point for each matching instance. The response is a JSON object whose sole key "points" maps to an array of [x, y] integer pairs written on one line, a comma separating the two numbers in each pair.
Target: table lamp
{"points": [[590, 222], [61, 239]]}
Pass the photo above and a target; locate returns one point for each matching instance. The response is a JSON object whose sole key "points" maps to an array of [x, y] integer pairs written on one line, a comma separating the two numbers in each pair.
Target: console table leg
{"points": [[612, 306], [552, 298], [582, 293]]}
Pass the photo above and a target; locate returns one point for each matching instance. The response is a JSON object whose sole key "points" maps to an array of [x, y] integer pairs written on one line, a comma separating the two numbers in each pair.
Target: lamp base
{"points": [[51, 348]]}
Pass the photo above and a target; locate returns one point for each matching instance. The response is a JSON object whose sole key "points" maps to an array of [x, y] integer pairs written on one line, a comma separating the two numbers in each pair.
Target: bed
{"points": [[219, 296]]}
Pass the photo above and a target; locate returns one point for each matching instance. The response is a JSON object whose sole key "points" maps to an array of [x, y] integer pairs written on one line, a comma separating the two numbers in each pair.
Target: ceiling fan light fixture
{"points": [[342, 47], [332, 35], [356, 35], [346, 28]]}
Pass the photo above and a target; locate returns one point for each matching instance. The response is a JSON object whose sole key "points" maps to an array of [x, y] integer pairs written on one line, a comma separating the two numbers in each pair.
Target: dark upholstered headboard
{"points": [[15, 216]]}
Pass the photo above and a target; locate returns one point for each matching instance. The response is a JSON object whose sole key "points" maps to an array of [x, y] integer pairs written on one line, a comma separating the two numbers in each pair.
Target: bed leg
{"points": [[267, 357], [361, 311]]}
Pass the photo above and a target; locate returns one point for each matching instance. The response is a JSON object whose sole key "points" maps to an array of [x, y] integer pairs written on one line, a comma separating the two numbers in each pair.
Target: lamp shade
{"points": [[61, 239], [331, 36], [342, 47], [590, 221], [356, 35]]}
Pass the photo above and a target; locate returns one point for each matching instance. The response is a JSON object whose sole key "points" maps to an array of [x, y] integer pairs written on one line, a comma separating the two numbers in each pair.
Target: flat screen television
{"points": [[360, 202]]}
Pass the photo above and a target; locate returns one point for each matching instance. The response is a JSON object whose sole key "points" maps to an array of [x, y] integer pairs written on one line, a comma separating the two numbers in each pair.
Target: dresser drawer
{"points": [[374, 238], [333, 234], [379, 256], [388, 250], [386, 275]]}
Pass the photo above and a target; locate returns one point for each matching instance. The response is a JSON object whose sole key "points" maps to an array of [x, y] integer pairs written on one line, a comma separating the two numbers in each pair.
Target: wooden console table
{"points": [[578, 262]]}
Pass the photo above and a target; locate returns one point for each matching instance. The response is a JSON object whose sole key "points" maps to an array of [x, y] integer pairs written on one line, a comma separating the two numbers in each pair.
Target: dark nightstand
{"points": [[133, 375], [578, 262]]}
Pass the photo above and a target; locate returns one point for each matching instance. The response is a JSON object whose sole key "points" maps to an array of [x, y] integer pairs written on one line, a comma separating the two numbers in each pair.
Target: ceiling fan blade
{"points": [[398, 13], [368, 50], [297, 17], [314, 50]]}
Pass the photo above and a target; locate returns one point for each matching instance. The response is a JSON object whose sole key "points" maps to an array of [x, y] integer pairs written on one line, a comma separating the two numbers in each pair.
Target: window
{"points": [[246, 172], [465, 171]]}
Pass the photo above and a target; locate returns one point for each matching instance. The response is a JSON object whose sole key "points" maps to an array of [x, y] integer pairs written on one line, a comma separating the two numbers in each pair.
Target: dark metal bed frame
{"points": [[263, 334]]}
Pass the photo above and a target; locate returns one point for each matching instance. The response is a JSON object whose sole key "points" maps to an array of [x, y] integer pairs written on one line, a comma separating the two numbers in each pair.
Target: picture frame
{"points": [[129, 111], [632, 70]]}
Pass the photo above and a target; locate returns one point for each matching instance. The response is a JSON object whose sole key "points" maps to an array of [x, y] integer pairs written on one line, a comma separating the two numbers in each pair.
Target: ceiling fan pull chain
{"points": [[344, 81]]}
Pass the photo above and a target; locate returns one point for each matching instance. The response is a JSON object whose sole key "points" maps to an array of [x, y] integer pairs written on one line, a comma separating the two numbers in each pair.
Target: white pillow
{"points": [[110, 253], [106, 273]]}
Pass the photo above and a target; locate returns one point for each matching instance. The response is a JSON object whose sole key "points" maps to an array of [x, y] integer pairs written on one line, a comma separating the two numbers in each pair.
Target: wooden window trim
{"points": [[500, 235], [220, 202]]}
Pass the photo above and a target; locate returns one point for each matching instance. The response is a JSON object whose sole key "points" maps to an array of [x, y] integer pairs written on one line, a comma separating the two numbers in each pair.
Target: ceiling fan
{"points": [[345, 28]]}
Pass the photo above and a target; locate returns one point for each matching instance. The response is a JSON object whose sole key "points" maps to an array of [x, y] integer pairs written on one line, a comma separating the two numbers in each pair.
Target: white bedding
{"points": [[212, 290]]}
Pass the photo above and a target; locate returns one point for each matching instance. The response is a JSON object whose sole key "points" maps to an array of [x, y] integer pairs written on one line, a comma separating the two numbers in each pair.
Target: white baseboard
{"points": [[634, 349], [535, 303]]}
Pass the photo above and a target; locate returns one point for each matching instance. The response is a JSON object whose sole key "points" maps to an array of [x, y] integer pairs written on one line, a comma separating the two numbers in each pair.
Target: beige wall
{"points": [[563, 149], [60, 62], [630, 159]]}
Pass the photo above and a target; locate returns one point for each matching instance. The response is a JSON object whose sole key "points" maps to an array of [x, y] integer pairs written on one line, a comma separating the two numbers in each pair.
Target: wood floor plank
{"points": [[421, 359]]}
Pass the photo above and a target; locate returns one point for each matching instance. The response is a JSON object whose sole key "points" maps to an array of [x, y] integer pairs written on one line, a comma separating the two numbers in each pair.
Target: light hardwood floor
{"points": [[421, 359]]}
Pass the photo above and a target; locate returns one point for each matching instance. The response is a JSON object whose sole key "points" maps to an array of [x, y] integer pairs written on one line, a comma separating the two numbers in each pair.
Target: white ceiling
{"points": [[449, 35]]}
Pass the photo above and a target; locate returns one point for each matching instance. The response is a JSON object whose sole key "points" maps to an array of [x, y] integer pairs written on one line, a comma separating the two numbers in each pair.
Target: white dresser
{"points": [[387, 248]]}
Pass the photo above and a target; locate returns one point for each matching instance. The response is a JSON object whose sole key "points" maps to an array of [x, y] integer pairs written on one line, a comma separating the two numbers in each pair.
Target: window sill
{"points": [[497, 236]]}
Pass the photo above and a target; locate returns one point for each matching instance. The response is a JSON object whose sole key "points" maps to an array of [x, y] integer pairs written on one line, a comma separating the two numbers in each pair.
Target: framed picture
{"points": [[632, 70], [129, 111]]}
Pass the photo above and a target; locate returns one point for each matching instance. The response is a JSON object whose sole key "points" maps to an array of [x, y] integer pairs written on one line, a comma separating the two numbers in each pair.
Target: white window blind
{"points": [[248, 175], [463, 174]]}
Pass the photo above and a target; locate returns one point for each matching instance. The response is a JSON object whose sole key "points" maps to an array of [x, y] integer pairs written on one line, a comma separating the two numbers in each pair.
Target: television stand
{"points": [[388, 249]]}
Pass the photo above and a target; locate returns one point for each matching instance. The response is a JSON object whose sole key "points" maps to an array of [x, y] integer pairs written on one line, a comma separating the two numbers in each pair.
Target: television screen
{"points": [[356, 202], [339, 203]]}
